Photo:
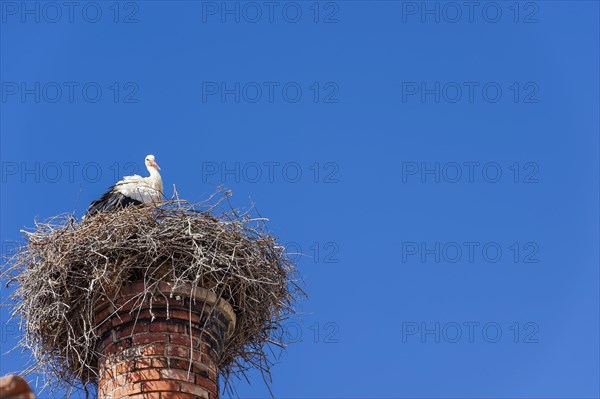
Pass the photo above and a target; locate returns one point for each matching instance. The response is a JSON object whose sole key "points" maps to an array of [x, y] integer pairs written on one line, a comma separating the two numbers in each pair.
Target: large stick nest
{"points": [[67, 267]]}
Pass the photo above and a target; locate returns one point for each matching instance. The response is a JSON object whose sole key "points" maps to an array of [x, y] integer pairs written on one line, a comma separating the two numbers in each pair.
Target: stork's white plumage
{"points": [[132, 190]]}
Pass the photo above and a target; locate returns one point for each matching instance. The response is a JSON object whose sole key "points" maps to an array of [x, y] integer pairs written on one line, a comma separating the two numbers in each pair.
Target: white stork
{"points": [[132, 190]]}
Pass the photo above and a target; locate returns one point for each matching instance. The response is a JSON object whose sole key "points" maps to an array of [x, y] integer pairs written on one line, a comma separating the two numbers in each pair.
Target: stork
{"points": [[132, 190]]}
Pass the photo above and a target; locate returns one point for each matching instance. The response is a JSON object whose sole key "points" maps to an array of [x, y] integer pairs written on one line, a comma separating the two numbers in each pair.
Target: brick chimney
{"points": [[166, 350]]}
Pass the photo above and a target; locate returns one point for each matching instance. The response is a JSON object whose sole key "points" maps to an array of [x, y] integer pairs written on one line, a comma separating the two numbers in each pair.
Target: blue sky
{"points": [[437, 163]]}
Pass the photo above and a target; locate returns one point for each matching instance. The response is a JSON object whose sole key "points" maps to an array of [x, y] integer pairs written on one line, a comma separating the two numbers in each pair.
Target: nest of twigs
{"points": [[67, 267]]}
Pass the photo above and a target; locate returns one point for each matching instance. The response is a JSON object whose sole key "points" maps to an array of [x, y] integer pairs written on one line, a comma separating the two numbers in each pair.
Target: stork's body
{"points": [[132, 190]]}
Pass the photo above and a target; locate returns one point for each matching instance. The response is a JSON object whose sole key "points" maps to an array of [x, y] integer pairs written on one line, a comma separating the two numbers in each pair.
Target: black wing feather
{"points": [[111, 200]]}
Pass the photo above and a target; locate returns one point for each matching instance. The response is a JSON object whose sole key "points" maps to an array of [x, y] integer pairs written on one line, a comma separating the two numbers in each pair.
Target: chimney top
{"points": [[170, 347]]}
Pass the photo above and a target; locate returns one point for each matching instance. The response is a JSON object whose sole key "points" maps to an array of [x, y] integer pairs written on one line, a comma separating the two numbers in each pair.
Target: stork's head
{"points": [[151, 163]]}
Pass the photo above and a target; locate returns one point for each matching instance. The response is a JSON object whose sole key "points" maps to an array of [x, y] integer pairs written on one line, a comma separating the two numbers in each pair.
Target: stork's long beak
{"points": [[155, 165]]}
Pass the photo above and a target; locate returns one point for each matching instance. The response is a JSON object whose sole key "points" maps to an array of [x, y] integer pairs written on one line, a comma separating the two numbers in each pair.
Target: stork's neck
{"points": [[155, 179], [153, 172]]}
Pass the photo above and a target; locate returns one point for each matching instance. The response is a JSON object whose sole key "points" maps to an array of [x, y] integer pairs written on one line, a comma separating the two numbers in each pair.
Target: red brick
{"points": [[205, 348], [138, 327], [117, 347], [178, 351], [125, 367], [168, 326], [196, 355], [185, 315], [106, 386], [154, 349], [127, 390], [159, 326], [202, 372], [125, 306], [197, 390], [159, 362], [103, 314], [181, 364], [132, 289], [108, 339], [208, 360], [179, 328], [155, 313], [140, 339], [173, 374], [178, 395], [143, 363], [142, 375], [213, 374], [148, 395], [121, 318], [185, 340], [161, 386], [206, 383], [209, 352], [160, 300], [106, 370]]}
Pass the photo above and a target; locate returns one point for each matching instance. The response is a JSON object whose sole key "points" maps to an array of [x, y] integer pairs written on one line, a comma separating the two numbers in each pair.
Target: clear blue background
{"points": [[358, 210]]}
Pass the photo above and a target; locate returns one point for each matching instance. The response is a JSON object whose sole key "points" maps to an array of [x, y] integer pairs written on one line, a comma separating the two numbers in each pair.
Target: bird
{"points": [[132, 190]]}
